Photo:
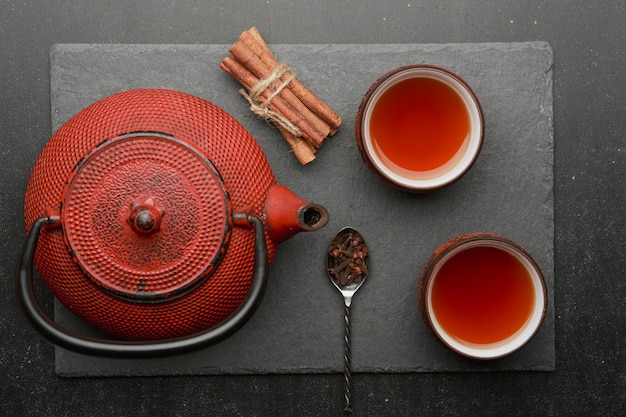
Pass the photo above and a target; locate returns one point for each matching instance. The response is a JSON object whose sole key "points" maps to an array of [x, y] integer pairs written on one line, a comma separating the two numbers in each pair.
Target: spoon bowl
{"points": [[347, 262]]}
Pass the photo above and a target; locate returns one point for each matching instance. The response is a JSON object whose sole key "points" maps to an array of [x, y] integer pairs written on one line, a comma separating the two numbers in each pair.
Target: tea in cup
{"points": [[419, 127], [482, 295]]}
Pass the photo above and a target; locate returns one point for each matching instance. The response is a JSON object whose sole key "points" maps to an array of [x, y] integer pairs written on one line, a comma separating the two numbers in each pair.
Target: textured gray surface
{"points": [[298, 328]]}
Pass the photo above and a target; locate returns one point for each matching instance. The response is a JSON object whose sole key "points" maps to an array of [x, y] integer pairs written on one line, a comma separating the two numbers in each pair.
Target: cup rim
{"points": [[495, 350], [464, 161]]}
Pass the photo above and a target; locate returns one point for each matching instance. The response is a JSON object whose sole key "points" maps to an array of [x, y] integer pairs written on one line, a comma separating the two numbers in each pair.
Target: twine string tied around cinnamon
{"points": [[260, 105]]}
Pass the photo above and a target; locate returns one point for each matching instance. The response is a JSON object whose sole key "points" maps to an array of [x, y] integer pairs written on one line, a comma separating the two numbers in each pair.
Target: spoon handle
{"points": [[347, 375]]}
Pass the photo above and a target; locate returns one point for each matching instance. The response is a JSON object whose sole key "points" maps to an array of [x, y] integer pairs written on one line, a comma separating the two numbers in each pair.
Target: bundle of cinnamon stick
{"points": [[275, 94]]}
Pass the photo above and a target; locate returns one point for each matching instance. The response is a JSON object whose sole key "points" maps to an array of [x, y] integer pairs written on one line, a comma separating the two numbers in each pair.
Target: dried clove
{"points": [[348, 259]]}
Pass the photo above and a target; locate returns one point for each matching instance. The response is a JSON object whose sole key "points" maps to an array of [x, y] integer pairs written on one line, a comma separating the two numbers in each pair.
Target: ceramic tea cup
{"points": [[482, 295], [419, 127]]}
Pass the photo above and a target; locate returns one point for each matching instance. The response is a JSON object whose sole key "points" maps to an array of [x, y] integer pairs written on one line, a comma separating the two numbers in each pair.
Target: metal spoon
{"points": [[347, 264]]}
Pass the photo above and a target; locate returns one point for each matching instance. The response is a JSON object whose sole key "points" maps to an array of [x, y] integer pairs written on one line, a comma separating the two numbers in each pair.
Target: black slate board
{"points": [[298, 327]]}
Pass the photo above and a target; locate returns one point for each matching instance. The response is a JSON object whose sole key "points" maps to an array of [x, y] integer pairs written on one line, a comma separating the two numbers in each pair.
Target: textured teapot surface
{"points": [[146, 183]]}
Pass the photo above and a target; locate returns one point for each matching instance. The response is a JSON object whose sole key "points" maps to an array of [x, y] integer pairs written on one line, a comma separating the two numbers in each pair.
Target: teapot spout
{"points": [[287, 214]]}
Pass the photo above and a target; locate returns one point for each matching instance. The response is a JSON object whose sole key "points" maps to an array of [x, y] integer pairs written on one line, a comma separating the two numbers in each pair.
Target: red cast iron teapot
{"points": [[154, 216]]}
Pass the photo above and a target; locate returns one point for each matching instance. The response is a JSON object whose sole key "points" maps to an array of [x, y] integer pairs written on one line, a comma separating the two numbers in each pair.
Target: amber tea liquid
{"points": [[418, 126], [482, 295]]}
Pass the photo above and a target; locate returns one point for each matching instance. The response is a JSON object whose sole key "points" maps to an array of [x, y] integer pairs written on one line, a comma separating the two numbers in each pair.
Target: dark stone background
{"points": [[588, 41]]}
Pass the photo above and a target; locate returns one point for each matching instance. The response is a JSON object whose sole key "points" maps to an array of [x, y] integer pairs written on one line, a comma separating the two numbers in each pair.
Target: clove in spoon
{"points": [[347, 264]]}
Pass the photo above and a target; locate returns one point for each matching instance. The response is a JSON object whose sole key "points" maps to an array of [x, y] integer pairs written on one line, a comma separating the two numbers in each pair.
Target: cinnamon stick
{"points": [[255, 41], [246, 51], [304, 151], [248, 80], [275, 94]]}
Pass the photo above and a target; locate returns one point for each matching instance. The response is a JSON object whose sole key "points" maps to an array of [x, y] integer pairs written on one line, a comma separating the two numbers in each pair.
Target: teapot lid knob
{"points": [[145, 218]]}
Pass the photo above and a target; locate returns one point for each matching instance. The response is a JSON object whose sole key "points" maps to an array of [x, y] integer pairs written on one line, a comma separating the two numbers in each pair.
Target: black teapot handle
{"points": [[70, 340]]}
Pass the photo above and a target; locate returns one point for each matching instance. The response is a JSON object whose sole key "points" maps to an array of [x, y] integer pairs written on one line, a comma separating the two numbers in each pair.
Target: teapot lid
{"points": [[146, 217]]}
